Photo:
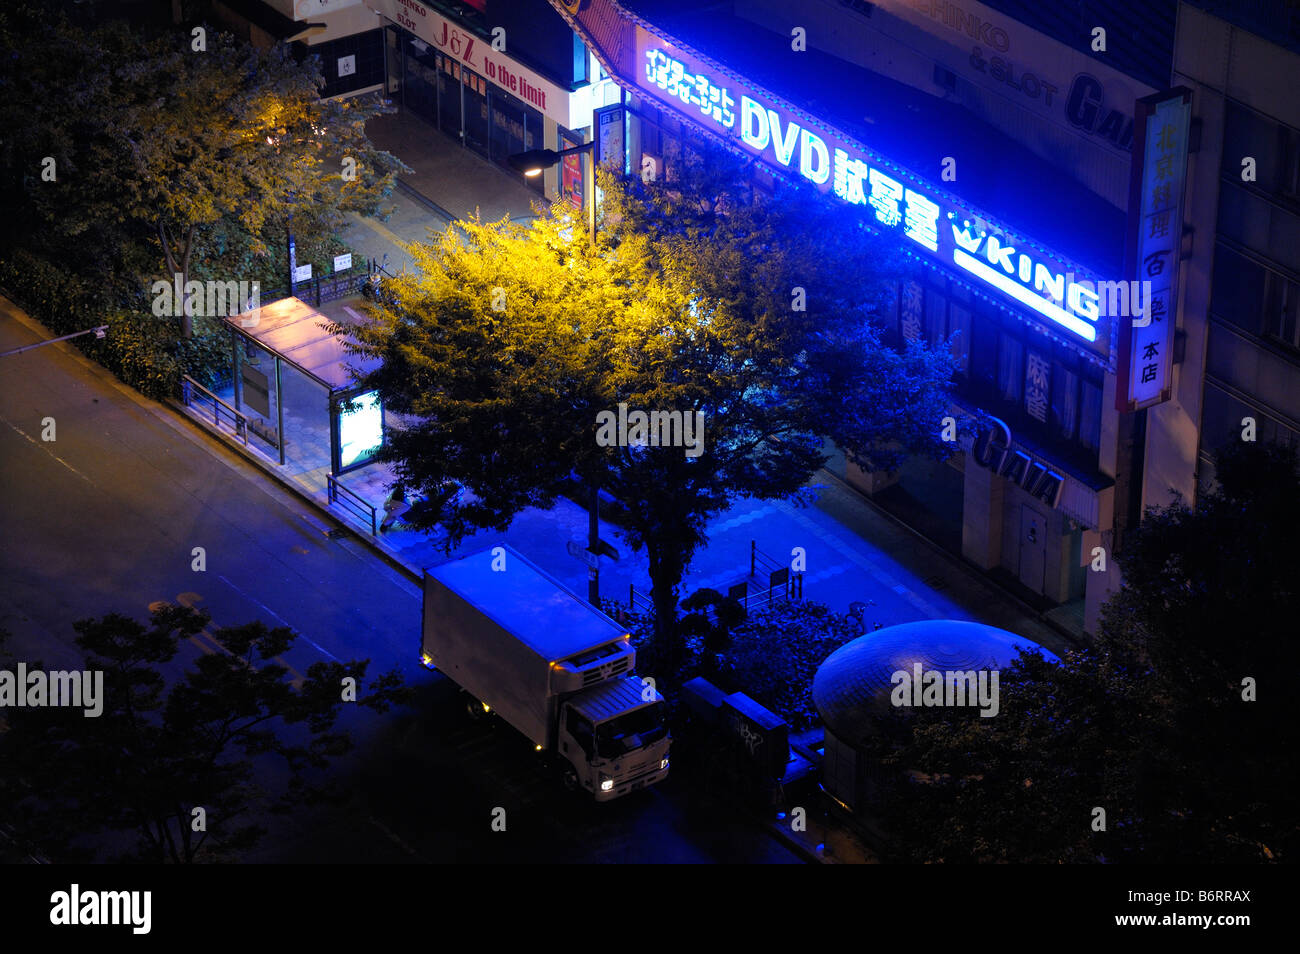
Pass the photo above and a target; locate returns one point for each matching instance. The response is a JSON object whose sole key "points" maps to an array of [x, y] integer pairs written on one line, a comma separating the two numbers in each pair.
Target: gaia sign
{"points": [[945, 229], [993, 450]]}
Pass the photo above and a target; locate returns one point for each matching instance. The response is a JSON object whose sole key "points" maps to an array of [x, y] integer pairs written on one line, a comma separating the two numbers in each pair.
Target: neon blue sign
{"points": [[943, 227]]}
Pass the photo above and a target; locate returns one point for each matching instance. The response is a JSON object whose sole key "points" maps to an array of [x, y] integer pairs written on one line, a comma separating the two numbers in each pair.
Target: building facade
{"points": [[1033, 159], [1242, 296], [500, 77], [1001, 157]]}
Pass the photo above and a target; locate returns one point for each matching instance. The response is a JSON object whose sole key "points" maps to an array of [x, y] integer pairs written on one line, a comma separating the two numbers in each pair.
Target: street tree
{"points": [[1175, 720], [508, 351], [158, 139], [135, 774], [1209, 603]]}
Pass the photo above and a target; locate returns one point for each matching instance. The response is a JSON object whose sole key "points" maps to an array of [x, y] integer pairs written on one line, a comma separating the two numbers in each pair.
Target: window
{"points": [[1288, 184], [1038, 381], [1238, 293], [959, 329], [1280, 299], [1090, 416], [582, 731], [936, 306], [1274, 146], [1065, 403], [1010, 367], [984, 353]]}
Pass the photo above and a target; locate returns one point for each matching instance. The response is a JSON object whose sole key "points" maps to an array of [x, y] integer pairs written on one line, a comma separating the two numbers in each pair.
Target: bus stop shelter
{"points": [[294, 383]]}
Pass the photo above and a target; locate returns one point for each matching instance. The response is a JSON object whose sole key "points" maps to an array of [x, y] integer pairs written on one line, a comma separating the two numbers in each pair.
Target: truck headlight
{"points": [[607, 785], [663, 763]]}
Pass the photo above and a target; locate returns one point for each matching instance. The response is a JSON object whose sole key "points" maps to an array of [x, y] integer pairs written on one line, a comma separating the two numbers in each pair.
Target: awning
{"points": [[269, 20], [300, 335]]}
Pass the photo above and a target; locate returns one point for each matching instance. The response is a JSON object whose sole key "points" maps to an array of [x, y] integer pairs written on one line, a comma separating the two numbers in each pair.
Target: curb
{"points": [[809, 855], [413, 193], [1070, 636], [385, 553]]}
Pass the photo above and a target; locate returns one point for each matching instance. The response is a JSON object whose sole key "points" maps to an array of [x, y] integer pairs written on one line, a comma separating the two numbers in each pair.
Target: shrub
{"points": [[773, 655], [144, 351]]}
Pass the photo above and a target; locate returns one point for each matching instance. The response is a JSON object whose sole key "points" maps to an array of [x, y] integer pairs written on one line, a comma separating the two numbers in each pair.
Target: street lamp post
{"points": [[532, 164], [99, 332]]}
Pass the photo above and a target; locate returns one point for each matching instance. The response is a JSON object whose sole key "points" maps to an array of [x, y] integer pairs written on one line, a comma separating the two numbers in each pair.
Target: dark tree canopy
{"points": [[1154, 721], [127, 781]]}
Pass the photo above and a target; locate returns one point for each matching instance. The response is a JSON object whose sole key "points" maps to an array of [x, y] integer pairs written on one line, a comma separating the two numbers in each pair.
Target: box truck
{"points": [[551, 665]]}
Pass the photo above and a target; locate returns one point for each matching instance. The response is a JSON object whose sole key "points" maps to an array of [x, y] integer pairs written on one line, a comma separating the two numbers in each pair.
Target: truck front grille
{"points": [[601, 673]]}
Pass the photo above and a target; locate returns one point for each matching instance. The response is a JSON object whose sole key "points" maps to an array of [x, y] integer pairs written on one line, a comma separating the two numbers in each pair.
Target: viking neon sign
{"points": [[945, 230]]}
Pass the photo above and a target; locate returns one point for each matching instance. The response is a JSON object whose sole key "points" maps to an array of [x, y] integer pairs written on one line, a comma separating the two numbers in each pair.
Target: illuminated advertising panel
{"points": [[936, 225], [361, 430]]}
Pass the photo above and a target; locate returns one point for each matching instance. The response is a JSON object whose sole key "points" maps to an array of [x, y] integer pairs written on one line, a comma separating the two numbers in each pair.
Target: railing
{"points": [[239, 422], [316, 291], [638, 602], [781, 583], [790, 589], [350, 501]]}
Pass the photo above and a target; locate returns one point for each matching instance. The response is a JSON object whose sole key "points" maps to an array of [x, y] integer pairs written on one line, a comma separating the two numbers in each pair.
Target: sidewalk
{"points": [[452, 177], [448, 182]]}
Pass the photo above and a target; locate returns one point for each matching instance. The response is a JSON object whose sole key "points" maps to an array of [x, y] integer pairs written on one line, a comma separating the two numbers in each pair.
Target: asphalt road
{"points": [[105, 517]]}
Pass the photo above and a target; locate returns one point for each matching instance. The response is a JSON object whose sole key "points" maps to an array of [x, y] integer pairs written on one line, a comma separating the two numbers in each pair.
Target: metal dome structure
{"points": [[852, 688]]}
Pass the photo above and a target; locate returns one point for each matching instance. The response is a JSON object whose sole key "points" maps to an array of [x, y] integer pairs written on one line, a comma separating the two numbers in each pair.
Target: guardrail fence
{"points": [[192, 392], [352, 502]]}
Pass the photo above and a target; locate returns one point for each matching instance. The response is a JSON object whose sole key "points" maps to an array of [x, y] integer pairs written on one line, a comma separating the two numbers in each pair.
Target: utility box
{"points": [[759, 738]]}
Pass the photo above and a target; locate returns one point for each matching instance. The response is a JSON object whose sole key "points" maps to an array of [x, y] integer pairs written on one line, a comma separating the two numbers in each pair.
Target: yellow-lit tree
{"points": [[505, 343]]}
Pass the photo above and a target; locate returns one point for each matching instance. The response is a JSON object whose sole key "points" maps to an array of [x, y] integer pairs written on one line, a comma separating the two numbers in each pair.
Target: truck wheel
{"points": [[571, 780], [475, 709]]}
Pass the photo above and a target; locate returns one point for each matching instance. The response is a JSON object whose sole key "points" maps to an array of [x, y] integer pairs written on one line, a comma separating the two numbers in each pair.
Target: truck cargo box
{"points": [[515, 638]]}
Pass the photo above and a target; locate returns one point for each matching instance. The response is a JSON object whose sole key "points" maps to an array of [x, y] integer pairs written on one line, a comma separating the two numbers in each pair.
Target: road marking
{"points": [[188, 599], [41, 445], [397, 841], [267, 609]]}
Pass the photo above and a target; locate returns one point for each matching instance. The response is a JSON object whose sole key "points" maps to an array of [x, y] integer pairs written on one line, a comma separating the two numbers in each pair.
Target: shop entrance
{"points": [[1033, 548]]}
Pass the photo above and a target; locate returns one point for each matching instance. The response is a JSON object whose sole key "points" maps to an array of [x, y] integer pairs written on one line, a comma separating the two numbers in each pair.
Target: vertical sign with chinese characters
{"points": [[610, 141], [1036, 381], [1154, 246], [912, 305]]}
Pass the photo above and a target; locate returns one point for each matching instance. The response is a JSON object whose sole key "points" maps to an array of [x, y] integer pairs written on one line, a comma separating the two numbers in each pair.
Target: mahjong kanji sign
{"points": [[1061, 295], [1154, 247]]}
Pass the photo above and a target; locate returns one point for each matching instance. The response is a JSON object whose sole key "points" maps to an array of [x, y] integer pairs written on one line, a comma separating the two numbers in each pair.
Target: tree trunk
{"points": [[181, 268], [667, 566]]}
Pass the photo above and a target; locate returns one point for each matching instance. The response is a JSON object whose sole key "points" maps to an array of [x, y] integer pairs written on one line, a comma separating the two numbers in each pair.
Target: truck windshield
{"points": [[630, 731]]}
